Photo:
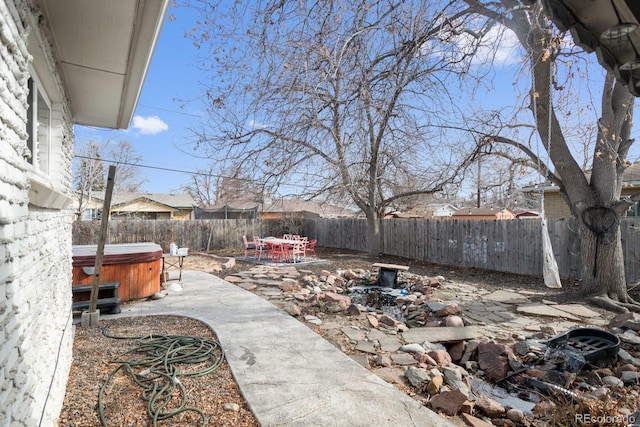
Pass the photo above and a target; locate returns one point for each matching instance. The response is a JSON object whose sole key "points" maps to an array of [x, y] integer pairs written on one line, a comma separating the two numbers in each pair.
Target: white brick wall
{"points": [[36, 332]]}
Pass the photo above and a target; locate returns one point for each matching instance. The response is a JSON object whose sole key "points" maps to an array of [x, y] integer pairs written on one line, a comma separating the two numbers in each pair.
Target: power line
{"points": [[140, 165], [212, 175]]}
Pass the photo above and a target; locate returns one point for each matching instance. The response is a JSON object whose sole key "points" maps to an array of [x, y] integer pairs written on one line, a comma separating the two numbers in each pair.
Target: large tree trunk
{"points": [[373, 228], [602, 263]]}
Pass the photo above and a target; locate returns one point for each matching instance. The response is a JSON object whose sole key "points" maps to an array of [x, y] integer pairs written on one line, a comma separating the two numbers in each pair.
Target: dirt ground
{"points": [[344, 259], [217, 394]]}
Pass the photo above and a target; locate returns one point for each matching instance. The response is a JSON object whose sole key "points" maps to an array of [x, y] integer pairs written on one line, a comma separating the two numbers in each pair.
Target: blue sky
{"points": [[159, 131], [161, 125]]}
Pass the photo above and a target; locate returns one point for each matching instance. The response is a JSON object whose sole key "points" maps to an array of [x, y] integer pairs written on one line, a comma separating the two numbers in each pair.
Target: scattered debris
{"points": [[506, 357]]}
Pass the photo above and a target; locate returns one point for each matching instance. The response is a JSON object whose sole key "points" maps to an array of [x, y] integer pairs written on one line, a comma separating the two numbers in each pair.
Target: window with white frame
{"points": [[39, 126]]}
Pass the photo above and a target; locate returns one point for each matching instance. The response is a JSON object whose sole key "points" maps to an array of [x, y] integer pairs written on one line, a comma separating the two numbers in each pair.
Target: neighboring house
{"points": [[556, 207], [297, 208], [277, 209], [63, 62], [230, 210], [142, 206], [484, 213], [432, 210], [528, 215]]}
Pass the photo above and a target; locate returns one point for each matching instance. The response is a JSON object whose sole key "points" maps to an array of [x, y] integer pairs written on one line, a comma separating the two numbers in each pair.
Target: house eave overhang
{"points": [[593, 26], [103, 51]]}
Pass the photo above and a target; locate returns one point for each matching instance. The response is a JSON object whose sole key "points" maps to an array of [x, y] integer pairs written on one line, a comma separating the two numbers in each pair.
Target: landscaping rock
{"points": [[416, 376], [441, 357], [494, 360], [490, 407], [434, 385], [454, 321], [448, 402]]}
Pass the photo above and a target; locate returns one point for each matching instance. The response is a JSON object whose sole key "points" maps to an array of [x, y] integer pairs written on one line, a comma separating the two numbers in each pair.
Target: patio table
{"points": [[279, 241], [286, 243]]}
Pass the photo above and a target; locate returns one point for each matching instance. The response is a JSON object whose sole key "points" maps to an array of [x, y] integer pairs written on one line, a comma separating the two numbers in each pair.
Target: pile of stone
{"points": [[428, 347], [446, 359]]}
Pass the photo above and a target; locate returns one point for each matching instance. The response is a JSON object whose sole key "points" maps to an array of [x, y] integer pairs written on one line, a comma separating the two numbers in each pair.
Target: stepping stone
{"points": [[441, 334], [361, 359], [366, 346], [393, 375], [331, 325], [545, 310], [577, 309], [389, 344], [507, 297], [353, 333], [375, 334], [403, 359]]}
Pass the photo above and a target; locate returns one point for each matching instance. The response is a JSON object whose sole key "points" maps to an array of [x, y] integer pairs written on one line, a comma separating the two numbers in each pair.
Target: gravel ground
{"points": [[215, 394]]}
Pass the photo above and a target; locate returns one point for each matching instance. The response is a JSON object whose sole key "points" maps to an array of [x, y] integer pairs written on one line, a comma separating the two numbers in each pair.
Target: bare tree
{"points": [[335, 97], [128, 179], [211, 186], [594, 199], [202, 187], [89, 173]]}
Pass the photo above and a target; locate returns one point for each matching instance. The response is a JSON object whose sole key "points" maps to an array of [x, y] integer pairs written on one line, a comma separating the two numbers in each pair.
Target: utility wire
{"points": [[212, 175]]}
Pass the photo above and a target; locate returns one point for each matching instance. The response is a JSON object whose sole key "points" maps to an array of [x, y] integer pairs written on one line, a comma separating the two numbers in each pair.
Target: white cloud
{"points": [[150, 125]]}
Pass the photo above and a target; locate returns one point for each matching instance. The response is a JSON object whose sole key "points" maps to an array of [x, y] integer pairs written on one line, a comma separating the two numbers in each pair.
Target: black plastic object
{"points": [[594, 344], [387, 278]]}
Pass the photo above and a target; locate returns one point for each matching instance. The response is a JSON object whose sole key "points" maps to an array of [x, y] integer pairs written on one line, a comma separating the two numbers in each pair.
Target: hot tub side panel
{"points": [[137, 280]]}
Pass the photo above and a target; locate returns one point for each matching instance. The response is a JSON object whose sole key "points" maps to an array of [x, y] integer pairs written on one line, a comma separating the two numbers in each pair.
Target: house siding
{"points": [[556, 207], [36, 328]]}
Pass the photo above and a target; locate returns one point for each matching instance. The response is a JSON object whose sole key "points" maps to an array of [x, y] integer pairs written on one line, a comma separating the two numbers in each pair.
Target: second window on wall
{"points": [[39, 127]]}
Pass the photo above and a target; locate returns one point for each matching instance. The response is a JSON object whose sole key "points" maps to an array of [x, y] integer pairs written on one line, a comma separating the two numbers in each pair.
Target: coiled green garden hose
{"points": [[156, 365]]}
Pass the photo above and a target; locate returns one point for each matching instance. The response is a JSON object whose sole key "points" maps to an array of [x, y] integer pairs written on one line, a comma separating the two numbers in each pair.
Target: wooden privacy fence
{"points": [[513, 246], [200, 234]]}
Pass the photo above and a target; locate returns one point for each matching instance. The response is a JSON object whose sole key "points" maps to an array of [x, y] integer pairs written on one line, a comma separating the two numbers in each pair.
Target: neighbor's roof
{"points": [[167, 199], [103, 49], [481, 211], [299, 205], [236, 205]]}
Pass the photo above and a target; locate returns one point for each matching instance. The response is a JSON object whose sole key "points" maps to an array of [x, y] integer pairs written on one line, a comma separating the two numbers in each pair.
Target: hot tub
{"points": [[135, 265]]}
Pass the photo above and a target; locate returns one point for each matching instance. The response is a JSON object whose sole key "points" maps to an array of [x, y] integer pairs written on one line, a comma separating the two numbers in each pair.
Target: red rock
{"points": [[289, 286], [625, 320], [494, 360], [457, 350], [490, 407], [474, 421], [448, 402], [353, 310], [294, 310], [334, 297], [335, 280], [425, 358], [454, 321], [388, 320], [449, 310], [441, 357], [373, 320]]}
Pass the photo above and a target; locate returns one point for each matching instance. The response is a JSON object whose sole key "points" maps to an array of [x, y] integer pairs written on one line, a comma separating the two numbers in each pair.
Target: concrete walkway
{"points": [[289, 375]]}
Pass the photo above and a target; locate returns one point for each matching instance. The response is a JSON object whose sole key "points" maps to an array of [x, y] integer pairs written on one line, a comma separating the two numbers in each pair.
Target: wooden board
{"points": [[391, 266]]}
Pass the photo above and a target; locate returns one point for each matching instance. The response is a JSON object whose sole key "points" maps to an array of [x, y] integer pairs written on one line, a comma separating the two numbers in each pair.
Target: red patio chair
{"points": [[248, 246], [311, 248], [298, 252], [260, 247], [277, 252]]}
